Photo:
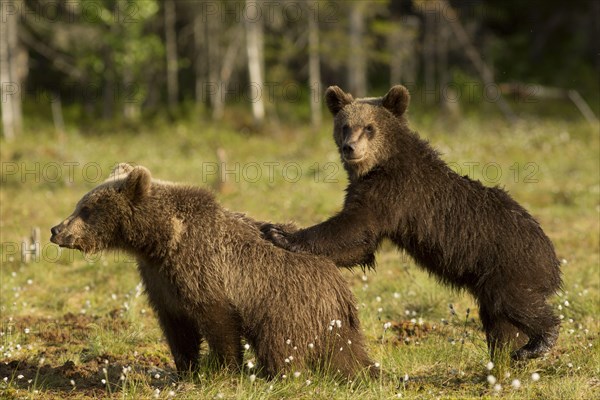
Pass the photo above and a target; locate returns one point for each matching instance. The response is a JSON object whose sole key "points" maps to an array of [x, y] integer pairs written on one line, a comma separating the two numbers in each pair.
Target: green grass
{"points": [[66, 318]]}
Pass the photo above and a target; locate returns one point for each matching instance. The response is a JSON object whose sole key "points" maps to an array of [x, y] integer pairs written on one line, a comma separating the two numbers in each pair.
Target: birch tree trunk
{"points": [[10, 78], [253, 47], [171, 53], [314, 69], [357, 57]]}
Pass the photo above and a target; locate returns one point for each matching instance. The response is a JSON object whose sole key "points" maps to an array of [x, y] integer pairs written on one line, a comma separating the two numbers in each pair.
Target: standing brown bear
{"points": [[467, 235], [209, 274]]}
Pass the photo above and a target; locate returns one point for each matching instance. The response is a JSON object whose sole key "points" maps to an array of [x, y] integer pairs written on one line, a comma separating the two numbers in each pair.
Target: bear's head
{"points": [[98, 220], [365, 130]]}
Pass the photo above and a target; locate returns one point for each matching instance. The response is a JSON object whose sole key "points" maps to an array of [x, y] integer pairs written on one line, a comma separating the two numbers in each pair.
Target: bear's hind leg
{"points": [[543, 333], [539, 323], [501, 335]]}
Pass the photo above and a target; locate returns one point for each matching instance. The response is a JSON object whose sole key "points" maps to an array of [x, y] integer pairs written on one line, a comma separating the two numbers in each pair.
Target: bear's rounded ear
{"points": [[337, 99], [137, 183], [396, 100], [119, 171]]}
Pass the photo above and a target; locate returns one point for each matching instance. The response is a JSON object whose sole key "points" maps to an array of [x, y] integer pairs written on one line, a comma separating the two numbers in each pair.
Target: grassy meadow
{"points": [[80, 327]]}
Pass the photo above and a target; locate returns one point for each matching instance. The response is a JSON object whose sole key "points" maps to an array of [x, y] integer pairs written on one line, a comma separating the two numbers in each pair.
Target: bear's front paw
{"points": [[277, 235]]}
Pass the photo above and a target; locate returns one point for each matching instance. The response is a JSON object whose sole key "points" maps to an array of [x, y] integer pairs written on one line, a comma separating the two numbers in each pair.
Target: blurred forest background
{"points": [[83, 61]]}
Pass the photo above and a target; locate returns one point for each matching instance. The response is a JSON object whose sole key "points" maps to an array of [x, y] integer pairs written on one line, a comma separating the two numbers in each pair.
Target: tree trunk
{"points": [[429, 50], [357, 57], [213, 50], [171, 52], [314, 70], [10, 78], [253, 46], [199, 64]]}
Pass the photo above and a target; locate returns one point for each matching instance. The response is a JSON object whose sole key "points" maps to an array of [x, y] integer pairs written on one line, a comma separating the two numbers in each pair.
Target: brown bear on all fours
{"points": [[467, 235], [209, 275]]}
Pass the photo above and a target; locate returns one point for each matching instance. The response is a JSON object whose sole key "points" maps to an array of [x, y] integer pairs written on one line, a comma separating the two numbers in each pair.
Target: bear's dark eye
{"points": [[345, 130], [369, 130], [85, 212]]}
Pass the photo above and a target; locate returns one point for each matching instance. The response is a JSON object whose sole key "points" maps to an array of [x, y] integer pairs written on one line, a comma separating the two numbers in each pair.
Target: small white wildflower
{"points": [[516, 384], [247, 346], [287, 360], [376, 365], [156, 393], [396, 295], [311, 345], [29, 281], [113, 296], [122, 377], [288, 341], [103, 381], [378, 299], [171, 393], [507, 375], [566, 303], [570, 365], [349, 341], [19, 376], [490, 366], [405, 378], [72, 382], [41, 362], [561, 316], [559, 307], [491, 379], [252, 378], [26, 330], [308, 382], [535, 377], [5, 379], [387, 326], [296, 374], [364, 278], [497, 387], [338, 323], [157, 376], [104, 371], [250, 365], [106, 361], [380, 310], [291, 358]]}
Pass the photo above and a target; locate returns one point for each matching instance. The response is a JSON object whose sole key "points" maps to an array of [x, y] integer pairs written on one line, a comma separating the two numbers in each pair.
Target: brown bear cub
{"points": [[209, 275], [467, 235]]}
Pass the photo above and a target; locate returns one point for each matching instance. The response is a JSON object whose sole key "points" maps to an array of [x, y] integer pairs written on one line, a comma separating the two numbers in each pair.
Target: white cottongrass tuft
{"points": [[497, 387], [72, 382], [535, 377], [252, 378], [296, 374], [387, 325], [491, 379], [490, 366], [250, 364], [311, 345], [308, 382], [516, 384], [247, 346]]}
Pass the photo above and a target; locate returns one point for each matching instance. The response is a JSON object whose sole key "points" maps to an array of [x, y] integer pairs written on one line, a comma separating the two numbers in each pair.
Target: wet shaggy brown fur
{"points": [[467, 235], [209, 275]]}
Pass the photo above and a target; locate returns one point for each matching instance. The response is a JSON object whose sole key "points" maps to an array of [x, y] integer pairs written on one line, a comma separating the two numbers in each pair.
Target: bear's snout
{"points": [[55, 230]]}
